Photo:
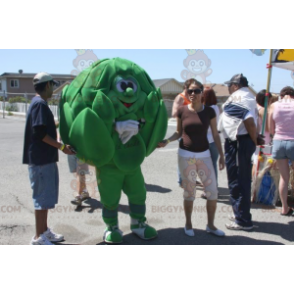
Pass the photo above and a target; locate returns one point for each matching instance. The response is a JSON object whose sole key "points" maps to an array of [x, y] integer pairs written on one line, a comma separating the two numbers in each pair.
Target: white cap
{"points": [[43, 77]]}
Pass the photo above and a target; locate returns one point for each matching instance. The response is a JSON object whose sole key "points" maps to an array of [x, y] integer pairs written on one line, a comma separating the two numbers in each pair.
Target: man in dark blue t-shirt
{"points": [[41, 154]]}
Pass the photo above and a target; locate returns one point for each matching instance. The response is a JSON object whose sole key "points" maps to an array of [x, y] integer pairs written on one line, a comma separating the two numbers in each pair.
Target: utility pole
{"points": [[4, 96], [26, 96]]}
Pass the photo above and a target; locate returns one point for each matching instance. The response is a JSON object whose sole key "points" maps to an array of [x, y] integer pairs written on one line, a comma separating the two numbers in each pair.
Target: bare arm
{"points": [[251, 129], [179, 101], [261, 116], [271, 122], [50, 141], [217, 141], [175, 136]]}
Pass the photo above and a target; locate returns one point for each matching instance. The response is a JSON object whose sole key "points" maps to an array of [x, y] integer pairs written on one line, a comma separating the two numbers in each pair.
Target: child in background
{"points": [[81, 169]]}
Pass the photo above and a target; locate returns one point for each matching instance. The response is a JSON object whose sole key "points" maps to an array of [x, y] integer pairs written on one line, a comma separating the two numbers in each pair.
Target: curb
{"points": [[17, 114], [171, 121]]}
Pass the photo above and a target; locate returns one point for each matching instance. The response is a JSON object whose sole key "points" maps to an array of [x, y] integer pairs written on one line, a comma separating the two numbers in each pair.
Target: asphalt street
{"points": [[84, 225]]}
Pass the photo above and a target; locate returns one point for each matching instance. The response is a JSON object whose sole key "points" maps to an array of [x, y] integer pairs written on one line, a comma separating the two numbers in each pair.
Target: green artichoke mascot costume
{"points": [[114, 117]]}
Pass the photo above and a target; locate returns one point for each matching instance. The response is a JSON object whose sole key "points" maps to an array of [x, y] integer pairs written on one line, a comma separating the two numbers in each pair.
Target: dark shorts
{"points": [[44, 183]]}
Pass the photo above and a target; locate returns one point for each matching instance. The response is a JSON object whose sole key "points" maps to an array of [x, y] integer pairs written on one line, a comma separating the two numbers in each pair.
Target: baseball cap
{"points": [[43, 77], [238, 79]]}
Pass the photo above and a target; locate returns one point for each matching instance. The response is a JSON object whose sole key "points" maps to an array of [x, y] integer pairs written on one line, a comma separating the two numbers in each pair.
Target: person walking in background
{"points": [[238, 124], [41, 154], [209, 99], [194, 156], [260, 99], [281, 119]]}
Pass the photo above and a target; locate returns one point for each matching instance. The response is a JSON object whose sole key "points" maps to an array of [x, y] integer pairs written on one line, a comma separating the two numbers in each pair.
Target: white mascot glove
{"points": [[127, 129]]}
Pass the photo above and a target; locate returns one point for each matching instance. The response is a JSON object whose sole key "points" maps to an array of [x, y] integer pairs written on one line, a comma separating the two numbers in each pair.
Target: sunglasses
{"points": [[196, 91]]}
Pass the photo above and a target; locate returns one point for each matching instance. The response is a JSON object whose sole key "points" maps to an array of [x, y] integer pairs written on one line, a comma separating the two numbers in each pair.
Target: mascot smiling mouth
{"points": [[127, 105]]}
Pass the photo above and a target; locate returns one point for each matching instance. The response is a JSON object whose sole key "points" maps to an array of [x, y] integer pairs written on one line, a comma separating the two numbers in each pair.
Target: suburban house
{"points": [[16, 84]]}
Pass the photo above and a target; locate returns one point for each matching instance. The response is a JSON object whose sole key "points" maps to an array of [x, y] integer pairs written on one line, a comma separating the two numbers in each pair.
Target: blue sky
{"points": [[159, 63]]}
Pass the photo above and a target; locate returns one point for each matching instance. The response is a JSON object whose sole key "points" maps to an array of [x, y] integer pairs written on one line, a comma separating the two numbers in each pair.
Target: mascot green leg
{"points": [[111, 181], [134, 188]]}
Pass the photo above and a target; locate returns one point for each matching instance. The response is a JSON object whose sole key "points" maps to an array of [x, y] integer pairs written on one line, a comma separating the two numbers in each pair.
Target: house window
{"points": [[0, 86], [14, 84]]}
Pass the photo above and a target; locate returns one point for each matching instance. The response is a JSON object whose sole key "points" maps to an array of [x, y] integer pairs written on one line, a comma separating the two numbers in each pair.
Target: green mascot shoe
{"points": [[142, 230], [113, 235]]}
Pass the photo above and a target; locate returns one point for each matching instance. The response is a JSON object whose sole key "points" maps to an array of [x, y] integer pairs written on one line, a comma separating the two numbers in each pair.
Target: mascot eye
{"points": [[192, 63], [201, 63], [122, 85], [90, 62], [82, 63]]}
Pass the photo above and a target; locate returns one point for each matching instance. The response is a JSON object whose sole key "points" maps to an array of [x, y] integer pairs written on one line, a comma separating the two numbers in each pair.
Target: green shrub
{"points": [[53, 101], [11, 107], [18, 99], [1, 98]]}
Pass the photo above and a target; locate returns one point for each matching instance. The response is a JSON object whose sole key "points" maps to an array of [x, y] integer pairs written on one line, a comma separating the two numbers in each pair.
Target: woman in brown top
{"points": [[194, 157]]}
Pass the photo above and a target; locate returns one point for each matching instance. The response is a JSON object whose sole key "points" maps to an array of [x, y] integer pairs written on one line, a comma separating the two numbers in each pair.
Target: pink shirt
{"points": [[283, 117]]}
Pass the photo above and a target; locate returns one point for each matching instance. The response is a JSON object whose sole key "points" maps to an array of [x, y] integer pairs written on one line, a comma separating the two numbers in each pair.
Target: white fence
{"points": [[23, 107]]}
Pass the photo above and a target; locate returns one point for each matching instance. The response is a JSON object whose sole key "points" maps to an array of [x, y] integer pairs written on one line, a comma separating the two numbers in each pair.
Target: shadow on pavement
{"points": [[94, 204], [286, 231], [223, 191], [155, 188], [178, 237]]}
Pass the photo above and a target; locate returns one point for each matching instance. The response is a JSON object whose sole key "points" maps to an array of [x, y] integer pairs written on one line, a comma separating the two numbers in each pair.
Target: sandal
{"points": [[289, 213], [80, 198]]}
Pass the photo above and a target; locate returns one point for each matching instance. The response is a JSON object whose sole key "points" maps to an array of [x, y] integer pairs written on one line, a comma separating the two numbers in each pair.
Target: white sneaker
{"points": [[53, 237], [216, 232], [42, 240], [236, 227], [232, 217], [189, 233]]}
